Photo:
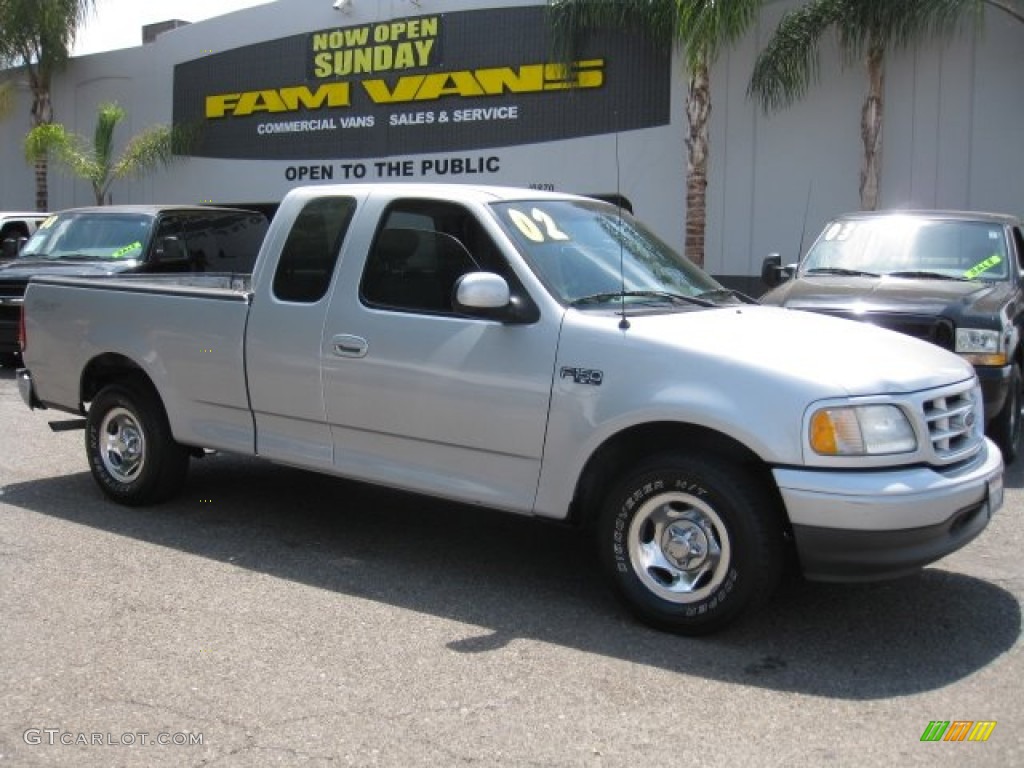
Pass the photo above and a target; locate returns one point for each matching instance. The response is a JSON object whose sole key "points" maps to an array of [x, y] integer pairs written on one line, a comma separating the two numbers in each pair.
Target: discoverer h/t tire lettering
{"points": [[690, 542], [132, 454]]}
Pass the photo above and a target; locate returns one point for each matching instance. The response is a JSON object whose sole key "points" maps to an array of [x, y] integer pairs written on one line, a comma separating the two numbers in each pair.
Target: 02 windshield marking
{"points": [[590, 253]]}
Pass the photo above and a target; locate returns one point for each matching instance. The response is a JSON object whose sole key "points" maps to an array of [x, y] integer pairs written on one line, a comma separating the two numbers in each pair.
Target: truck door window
{"points": [[422, 249], [312, 248]]}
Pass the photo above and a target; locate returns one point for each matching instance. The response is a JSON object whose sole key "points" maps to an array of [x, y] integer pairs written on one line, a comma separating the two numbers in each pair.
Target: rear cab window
{"points": [[311, 249]]}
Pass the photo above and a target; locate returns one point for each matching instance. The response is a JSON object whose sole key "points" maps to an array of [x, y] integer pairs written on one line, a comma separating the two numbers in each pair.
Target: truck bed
{"points": [[187, 329]]}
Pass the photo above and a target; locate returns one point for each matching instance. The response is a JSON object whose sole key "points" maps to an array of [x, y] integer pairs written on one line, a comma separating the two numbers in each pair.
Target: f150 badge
{"points": [[583, 376]]}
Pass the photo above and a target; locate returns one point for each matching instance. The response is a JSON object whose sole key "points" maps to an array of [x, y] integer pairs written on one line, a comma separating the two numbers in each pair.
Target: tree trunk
{"points": [[42, 114], [871, 128], [42, 188], [698, 113]]}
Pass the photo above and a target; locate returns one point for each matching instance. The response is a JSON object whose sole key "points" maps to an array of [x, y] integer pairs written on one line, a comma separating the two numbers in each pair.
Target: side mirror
{"points": [[772, 271], [481, 291], [487, 295]]}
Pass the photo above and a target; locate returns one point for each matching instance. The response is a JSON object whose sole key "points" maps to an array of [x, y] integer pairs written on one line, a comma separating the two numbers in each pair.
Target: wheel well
{"points": [[107, 369], [628, 447]]}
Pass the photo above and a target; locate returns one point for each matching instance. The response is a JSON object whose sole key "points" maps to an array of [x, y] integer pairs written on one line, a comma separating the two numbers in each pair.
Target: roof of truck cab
{"points": [[949, 215], [23, 215], [151, 209], [485, 192]]}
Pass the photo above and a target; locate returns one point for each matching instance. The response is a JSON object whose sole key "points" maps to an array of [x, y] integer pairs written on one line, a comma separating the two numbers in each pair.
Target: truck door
{"points": [[420, 397], [282, 342]]}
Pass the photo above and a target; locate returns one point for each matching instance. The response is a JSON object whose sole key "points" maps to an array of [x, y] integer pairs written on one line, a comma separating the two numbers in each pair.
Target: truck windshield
{"points": [[590, 254], [90, 236], [910, 246]]}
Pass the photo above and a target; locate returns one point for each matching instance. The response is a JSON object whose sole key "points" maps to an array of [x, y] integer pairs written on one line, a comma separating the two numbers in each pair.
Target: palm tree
{"points": [[700, 29], [38, 35], [866, 30], [145, 152]]}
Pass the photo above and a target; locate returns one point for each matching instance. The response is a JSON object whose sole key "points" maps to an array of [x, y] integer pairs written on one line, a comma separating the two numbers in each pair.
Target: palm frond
{"points": [[569, 21], [790, 62], [146, 151], [108, 118]]}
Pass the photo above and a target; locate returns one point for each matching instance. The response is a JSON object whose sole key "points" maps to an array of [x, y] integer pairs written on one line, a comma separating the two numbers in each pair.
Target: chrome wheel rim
{"points": [[122, 445], [679, 547]]}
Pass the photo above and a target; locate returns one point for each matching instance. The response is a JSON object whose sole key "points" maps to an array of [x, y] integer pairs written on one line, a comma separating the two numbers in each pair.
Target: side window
{"points": [[312, 249], [224, 242], [419, 253]]}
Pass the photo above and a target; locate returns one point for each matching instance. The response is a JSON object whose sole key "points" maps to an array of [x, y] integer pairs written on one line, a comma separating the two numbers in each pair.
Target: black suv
{"points": [[121, 239], [952, 278]]}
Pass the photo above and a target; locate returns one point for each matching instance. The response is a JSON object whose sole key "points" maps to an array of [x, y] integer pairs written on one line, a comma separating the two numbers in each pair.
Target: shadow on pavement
{"points": [[520, 578]]}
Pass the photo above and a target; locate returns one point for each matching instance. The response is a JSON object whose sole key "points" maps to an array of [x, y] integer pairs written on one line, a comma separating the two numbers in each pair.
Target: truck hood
{"points": [[828, 356], [855, 295]]}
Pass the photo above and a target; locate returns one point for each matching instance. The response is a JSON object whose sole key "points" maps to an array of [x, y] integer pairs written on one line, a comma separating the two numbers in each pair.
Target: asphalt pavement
{"points": [[270, 616]]}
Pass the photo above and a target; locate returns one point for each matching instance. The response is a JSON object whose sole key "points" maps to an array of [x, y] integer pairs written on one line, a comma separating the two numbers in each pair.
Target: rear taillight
{"points": [[22, 336]]}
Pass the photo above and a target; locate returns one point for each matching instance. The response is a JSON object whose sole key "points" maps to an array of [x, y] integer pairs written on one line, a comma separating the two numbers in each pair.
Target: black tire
{"points": [[1005, 428], [132, 454], [689, 543]]}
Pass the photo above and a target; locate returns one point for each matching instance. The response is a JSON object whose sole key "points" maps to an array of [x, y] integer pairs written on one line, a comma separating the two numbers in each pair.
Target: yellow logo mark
{"points": [[530, 78], [278, 100]]}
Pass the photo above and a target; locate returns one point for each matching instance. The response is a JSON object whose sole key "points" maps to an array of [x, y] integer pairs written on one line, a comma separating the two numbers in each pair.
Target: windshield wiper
{"points": [[929, 275], [728, 292], [840, 271], [673, 298]]}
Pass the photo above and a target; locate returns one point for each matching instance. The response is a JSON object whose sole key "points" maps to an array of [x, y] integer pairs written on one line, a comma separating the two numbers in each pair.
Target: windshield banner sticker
{"points": [[120, 253], [983, 266]]}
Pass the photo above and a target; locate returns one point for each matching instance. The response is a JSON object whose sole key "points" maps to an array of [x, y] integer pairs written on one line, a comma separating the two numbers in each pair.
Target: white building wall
{"points": [[953, 133]]}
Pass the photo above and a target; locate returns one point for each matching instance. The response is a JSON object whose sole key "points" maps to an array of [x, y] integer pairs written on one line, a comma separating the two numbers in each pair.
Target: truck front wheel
{"points": [[132, 454], [689, 543]]}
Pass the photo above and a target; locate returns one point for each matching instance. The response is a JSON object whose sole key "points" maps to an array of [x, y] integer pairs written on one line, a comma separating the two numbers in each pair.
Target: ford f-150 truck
{"points": [[543, 354], [109, 240]]}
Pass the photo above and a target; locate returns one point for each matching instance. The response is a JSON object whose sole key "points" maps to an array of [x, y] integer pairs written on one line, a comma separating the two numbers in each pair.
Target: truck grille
{"points": [[954, 422], [950, 423]]}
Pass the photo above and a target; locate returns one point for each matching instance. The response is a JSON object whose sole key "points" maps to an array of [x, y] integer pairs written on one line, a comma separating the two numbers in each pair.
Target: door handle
{"points": [[349, 346]]}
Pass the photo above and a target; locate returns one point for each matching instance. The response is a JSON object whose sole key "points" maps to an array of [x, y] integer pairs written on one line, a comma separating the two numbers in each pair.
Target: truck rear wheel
{"points": [[132, 454], [689, 543]]}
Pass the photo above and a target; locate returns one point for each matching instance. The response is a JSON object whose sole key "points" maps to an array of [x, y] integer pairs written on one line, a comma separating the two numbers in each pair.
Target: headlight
{"points": [[861, 430], [980, 347]]}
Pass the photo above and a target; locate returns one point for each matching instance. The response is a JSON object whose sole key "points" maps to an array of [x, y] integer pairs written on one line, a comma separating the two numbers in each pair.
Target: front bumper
{"points": [[862, 526]]}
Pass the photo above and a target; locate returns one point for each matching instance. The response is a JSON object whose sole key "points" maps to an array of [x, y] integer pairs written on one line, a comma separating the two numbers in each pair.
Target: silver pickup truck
{"points": [[543, 354]]}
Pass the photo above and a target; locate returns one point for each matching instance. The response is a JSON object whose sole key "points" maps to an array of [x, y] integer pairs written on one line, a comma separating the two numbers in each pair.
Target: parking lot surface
{"points": [[270, 616]]}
